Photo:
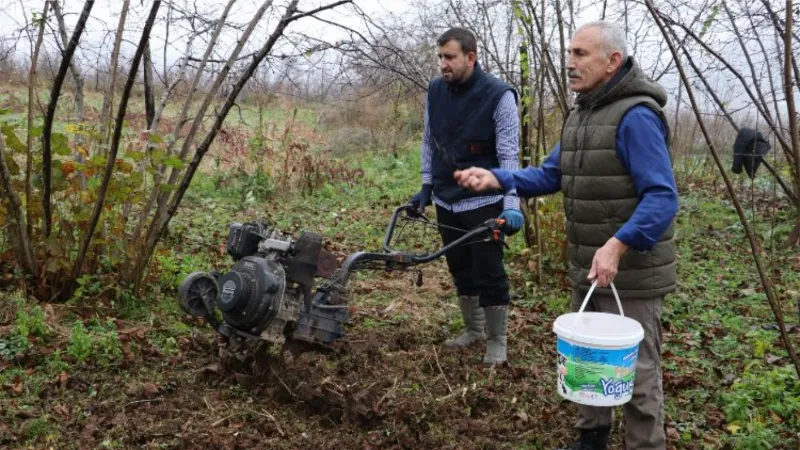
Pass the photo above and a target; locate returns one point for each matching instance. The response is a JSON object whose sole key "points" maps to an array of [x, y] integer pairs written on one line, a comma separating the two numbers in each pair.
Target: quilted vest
{"points": [[599, 193]]}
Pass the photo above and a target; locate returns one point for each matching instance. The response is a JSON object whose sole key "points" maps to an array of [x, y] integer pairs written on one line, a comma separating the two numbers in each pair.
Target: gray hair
{"points": [[612, 36]]}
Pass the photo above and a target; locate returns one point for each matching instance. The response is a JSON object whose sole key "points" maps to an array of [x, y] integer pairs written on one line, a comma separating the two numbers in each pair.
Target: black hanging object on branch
{"points": [[748, 151]]}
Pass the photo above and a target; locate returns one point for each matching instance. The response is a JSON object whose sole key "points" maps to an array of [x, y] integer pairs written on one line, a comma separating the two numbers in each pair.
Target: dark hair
{"points": [[464, 37]]}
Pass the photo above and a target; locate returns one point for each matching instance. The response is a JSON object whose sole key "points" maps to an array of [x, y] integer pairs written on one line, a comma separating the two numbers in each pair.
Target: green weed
{"points": [[38, 429], [13, 345], [80, 342], [31, 322]]}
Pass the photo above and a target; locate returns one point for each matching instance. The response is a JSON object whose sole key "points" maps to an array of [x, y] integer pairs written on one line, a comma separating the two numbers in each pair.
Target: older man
{"points": [[471, 120], [620, 200]]}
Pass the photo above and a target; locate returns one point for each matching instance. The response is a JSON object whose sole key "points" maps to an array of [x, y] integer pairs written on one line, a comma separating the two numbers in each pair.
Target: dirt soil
{"points": [[390, 385]]}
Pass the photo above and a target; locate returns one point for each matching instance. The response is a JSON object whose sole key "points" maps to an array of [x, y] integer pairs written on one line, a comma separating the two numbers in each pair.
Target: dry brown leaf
{"points": [[244, 380], [16, 386], [211, 368], [63, 380], [132, 389], [62, 410], [150, 390], [131, 330], [119, 419], [672, 434], [26, 414], [390, 308]]}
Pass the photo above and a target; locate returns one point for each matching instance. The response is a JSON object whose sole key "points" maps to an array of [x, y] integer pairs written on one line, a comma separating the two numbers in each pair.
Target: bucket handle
{"points": [[589, 294]]}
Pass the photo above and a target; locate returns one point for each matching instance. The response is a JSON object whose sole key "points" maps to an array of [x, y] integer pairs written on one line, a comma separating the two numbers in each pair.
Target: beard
{"points": [[453, 77]]}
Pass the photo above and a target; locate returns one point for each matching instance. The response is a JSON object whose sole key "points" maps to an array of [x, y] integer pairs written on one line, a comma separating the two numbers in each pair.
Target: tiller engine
{"points": [[270, 293]]}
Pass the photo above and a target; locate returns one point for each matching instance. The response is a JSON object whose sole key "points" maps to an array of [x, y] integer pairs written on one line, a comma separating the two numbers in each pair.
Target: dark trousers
{"points": [[644, 414], [477, 269]]}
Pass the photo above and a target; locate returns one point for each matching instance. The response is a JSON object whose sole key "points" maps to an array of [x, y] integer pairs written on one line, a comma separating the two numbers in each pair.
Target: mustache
{"points": [[573, 73]]}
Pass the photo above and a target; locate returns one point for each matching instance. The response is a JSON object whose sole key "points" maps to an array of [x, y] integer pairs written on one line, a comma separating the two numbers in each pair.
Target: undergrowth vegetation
{"points": [[112, 368]]}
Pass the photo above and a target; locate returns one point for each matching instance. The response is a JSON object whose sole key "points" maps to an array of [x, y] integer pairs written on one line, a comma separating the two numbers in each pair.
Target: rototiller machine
{"points": [[271, 293]]}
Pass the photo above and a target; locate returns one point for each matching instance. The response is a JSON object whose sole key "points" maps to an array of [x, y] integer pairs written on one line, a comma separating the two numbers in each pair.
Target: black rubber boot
{"points": [[594, 439]]}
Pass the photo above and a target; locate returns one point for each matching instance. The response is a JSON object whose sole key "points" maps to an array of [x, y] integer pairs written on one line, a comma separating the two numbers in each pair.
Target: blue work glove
{"points": [[514, 221], [422, 198]]}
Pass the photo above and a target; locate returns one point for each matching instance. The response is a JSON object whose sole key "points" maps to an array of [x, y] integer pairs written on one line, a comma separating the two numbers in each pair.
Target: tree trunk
{"points": [[29, 142], [149, 95], [153, 128], [112, 156], [541, 145], [47, 129], [19, 229], [562, 54], [108, 95], [166, 39], [525, 119], [788, 87], [676, 122], [156, 193], [79, 83], [559, 90], [794, 236]]}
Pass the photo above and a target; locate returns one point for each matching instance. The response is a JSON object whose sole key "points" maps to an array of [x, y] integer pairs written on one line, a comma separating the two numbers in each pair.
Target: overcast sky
{"points": [[97, 41], [105, 15]]}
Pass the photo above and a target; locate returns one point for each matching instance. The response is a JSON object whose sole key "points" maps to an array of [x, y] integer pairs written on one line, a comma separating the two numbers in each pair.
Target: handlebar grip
{"points": [[501, 228]]}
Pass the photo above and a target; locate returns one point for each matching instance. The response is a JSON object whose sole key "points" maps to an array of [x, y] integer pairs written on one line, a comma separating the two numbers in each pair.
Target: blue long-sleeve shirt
{"points": [[642, 150]]}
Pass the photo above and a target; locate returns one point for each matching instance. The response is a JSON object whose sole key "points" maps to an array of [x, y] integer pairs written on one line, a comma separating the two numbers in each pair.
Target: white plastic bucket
{"points": [[597, 355]]}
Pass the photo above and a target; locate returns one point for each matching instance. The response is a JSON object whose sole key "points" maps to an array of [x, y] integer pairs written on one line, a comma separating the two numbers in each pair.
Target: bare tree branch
{"points": [[108, 95], [47, 130], [755, 248], [160, 223], [778, 133], [173, 139], [788, 87], [761, 97], [22, 237], [29, 143], [115, 140], [79, 82]]}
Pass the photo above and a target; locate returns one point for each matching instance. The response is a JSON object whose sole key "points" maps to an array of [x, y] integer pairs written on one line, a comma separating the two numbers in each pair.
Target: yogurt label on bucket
{"points": [[596, 373], [616, 388]]}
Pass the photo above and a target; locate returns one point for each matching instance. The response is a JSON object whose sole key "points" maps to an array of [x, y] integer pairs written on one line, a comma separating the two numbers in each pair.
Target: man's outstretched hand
{"points": [[606, 262], [476, 179]]}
